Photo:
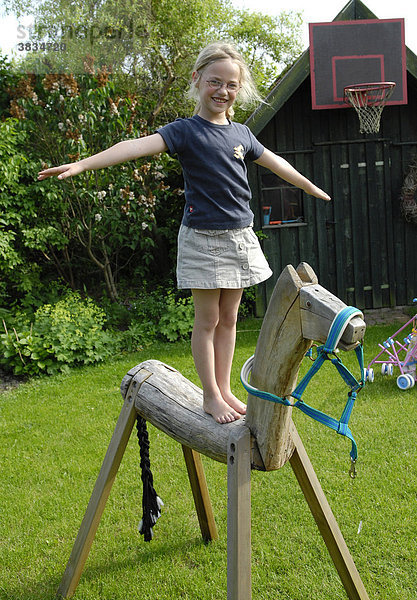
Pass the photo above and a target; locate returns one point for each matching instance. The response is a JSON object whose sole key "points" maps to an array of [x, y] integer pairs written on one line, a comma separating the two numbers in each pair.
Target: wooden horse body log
{"points": [[173, 404], [300, 311]]}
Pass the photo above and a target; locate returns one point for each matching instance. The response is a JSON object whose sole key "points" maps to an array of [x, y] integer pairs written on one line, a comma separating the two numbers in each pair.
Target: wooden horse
{"points": [[300, 311]]}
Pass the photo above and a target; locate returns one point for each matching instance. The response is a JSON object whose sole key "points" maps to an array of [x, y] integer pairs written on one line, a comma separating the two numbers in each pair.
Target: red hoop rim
{"points": [[366, 87]]}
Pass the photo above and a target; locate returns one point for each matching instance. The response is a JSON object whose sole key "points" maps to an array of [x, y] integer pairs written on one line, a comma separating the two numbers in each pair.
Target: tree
{"points": [[153, 43]]}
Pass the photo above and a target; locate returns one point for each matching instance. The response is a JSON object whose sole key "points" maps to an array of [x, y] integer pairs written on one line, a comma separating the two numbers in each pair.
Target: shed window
{"points": [[281, 202]]}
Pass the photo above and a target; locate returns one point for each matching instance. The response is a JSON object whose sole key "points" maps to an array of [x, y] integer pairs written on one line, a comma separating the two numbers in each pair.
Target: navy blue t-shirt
{"points": [[217, 192]]}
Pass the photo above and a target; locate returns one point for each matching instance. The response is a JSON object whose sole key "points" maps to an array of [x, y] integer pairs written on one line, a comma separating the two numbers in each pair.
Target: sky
{"points": [[314, 11], [321, 11]]}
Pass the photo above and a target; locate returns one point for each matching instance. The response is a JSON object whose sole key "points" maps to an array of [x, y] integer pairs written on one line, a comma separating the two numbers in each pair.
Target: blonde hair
{"points": [[248, 94]]}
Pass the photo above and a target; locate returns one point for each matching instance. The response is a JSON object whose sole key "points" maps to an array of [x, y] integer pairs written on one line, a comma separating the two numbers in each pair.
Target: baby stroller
{"points": [[398, 352]]}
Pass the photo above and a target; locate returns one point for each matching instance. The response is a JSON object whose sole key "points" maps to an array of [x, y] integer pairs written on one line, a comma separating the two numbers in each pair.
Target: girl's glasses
{"points": [[215, 84]]}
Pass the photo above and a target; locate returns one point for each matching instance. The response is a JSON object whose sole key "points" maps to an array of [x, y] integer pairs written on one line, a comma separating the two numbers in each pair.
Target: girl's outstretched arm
{"points": [[283, 169], [121, 152]]}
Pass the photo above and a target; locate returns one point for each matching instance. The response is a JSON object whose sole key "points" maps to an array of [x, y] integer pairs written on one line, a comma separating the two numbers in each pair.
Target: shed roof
{"points": [[300, 70]]}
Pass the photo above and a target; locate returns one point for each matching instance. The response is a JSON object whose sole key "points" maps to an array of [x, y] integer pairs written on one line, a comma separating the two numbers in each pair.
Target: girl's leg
{"points": [[211, 310], [224, 345]]}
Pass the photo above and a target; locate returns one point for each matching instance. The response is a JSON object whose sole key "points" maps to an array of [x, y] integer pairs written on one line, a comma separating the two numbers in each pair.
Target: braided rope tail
{"points": [[151, 502]]}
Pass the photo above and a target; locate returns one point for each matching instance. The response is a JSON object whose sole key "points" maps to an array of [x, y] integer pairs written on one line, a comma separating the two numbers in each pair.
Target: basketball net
{"points": [[369, 100]]}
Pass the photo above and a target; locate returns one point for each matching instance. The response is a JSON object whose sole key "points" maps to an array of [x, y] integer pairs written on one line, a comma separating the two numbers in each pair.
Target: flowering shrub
{"points": [[107, 218]]}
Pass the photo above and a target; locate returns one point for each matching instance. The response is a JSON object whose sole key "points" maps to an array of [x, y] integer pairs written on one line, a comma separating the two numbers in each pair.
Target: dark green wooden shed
{"points": [[360, 244]]}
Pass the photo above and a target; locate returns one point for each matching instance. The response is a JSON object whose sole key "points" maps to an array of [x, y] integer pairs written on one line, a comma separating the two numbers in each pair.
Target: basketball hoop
{"points": [[369, 99]]}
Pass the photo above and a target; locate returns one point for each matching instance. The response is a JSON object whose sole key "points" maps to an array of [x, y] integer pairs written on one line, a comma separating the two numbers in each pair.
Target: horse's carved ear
{"points": [[288, 284], [306, 273]]}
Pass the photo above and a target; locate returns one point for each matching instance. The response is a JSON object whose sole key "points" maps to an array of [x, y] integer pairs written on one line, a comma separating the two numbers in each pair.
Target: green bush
{"points": [[247, 307], [162, 315], [73, 331], [61, 335], [139, 335], [156, 315], [177, 319]]}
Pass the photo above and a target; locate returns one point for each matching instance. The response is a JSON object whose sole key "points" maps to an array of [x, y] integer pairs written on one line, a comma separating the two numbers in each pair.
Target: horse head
{"points": [[299, 312]]}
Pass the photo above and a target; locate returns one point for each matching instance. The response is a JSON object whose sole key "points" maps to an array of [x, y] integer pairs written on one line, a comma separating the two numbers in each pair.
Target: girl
{"points": [[218, 252]]}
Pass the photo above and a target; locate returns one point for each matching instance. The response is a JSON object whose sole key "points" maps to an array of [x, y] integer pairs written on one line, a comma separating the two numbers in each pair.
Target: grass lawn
{"points": [[54, 433]]}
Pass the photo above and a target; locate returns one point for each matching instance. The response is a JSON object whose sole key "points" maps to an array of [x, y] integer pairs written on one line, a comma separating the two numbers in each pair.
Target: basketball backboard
{"points": [[344, 53]]}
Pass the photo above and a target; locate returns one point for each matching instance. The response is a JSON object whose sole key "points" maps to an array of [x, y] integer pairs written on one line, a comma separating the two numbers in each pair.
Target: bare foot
{"points": [[234, 402], [219, 410]]}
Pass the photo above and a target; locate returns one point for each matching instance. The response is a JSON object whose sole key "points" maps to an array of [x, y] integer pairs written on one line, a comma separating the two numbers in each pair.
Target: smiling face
{"points": [[214, 103]]}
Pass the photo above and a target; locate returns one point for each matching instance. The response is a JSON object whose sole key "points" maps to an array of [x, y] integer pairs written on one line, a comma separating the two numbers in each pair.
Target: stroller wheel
{"points": [[384, 369], [390, 370], [369, 375], [406, 381]]}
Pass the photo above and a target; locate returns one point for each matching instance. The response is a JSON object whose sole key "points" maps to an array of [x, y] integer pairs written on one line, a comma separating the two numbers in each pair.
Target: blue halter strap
{"points": [[325, 352]]}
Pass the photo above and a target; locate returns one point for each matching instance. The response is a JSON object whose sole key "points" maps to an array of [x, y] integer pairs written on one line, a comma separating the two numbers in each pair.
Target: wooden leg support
{"points": [[326, 521], [200, 493], [239, 516], [99, 496]]}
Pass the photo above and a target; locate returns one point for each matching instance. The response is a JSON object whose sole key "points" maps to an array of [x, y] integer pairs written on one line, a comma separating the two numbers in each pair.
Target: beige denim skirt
{"points": [[227, 258]]}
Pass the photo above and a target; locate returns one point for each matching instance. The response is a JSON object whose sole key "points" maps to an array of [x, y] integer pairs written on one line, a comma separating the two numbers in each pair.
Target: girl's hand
{"points": [[318, 193], [62, 171], [283, 169]]}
